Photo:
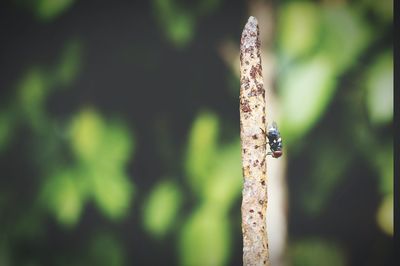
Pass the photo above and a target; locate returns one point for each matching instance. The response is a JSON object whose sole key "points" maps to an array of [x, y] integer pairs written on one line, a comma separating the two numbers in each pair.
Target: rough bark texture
{"points": [[253, 139]]}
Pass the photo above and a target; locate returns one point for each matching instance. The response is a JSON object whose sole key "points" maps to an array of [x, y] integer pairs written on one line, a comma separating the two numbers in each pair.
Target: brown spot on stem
{"points": [[259, 69], [245, 107], [260, 89], [253, 72]]}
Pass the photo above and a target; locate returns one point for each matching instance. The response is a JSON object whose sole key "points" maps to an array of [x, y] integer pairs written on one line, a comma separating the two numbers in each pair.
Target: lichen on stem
{"points": [[253, 140]]}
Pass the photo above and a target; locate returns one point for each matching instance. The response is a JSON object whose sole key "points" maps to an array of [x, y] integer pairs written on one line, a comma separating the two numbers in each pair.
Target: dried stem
{"points": [[253, 139]]}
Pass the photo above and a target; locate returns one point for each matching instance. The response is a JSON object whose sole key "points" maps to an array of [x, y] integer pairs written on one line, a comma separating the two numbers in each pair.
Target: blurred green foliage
{"points": [[306, 92], [328, 125], [178, 21], [385, 216], [46, 10], [309, 38], [379, 85], [103, 148], [205, 237], [64, 194], [105, 250], [215, 177], [201, 151], [317, 44], [160, 211], [314, 252], [324, 176]]}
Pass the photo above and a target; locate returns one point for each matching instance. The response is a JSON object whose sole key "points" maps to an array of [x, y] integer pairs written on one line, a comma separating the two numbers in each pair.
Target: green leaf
{"points": [[98, 142], [177, 23], [299, 28], [201, 151], [205, 238], [379, 85], [345, 36], [48, 10], [103, 149], [112, 192], [161, 208], [86, 134], [306, 91], [225, 183], [384, 215], [64, 195], [117, 144]]}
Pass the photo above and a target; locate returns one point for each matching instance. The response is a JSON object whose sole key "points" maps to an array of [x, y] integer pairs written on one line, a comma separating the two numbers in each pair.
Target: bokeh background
{"points": [[119, 131]]}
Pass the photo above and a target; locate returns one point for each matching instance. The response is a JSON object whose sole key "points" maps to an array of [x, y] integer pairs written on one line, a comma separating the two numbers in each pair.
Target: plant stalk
{"points": [[253, 140]]}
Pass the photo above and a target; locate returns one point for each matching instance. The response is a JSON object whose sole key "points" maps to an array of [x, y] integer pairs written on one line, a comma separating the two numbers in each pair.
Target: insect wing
{"points": [[274, 125]]}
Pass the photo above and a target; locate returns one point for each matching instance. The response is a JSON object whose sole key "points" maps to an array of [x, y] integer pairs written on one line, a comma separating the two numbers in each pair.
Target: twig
{"points": [[253, 139]]}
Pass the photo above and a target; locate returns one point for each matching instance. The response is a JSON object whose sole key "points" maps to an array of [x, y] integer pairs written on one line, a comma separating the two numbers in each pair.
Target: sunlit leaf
{"points": [[379, 85], [104, 148], [316, 252], [106, 250], [299, 26], [161, 208], [345, 36], [384, 215], [306, 90], [112, 192], [225, 183], [205, 238], [95, 141], [64, 195], [201, 150], [116, 145], [50, 9], [177, 23], [86, 134], [180, 29]]}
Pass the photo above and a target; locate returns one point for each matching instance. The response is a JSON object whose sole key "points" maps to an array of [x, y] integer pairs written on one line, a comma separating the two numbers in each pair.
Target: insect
{"points": [[274, 140]]}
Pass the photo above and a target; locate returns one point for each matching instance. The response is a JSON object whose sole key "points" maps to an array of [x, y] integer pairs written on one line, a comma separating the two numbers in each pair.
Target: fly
{"points": [[274, 141]]}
